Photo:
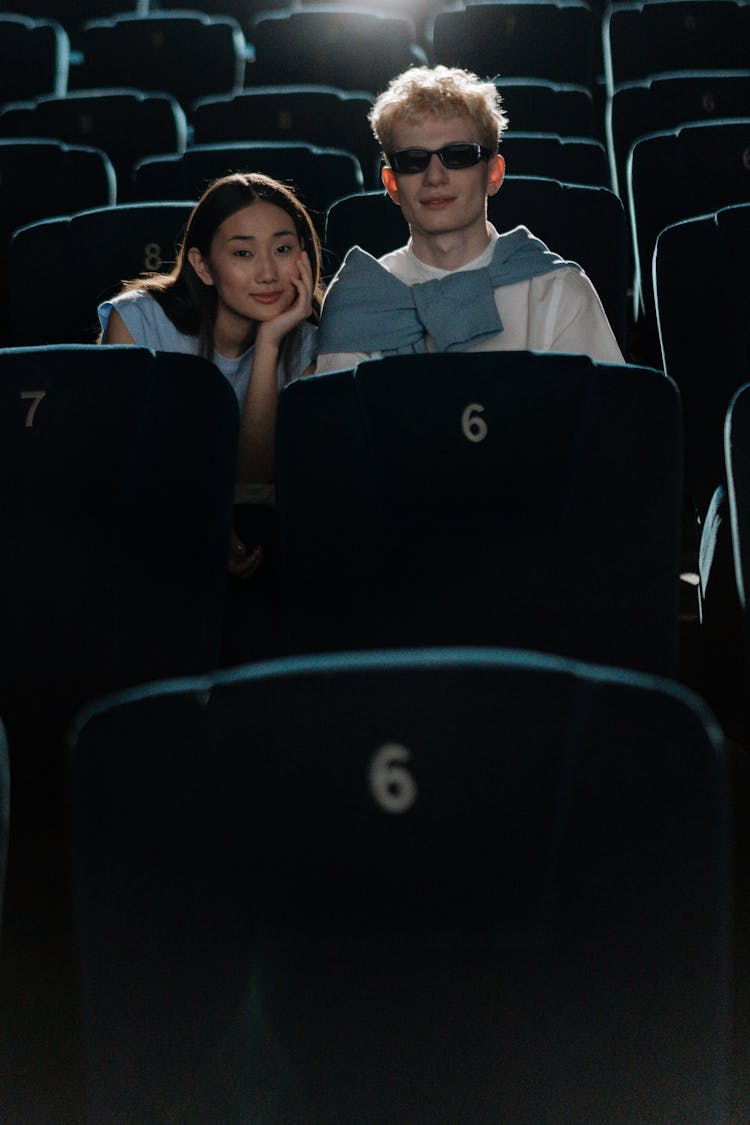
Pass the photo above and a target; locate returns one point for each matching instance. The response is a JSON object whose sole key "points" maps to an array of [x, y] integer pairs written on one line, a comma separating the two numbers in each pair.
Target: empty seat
{"points": [[702, 294], [94, 480], [575, 160], [319, 115], [4, 811], [538, 105], [651, 36], [98, 249], [186, 54], [112, 458], [72, 14], [34, 58], [126, 124], [354, 49], [737, 452], [317, 175], [664, 101], [454, 886], [673, 175], [117, 475], [39, 179], [584, 224], [91, 471], [482, 498], [243, 11], [551, 39]]}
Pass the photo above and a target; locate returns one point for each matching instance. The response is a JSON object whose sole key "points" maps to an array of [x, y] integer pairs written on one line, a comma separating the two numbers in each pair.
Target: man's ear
{"points": [[496, 174], [389, 182], [199, 264]]}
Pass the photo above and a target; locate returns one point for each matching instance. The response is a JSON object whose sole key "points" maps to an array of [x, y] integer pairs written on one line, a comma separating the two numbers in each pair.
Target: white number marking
{"points": [[391, 784], [34, 398], [473, 425], [152, 259]]}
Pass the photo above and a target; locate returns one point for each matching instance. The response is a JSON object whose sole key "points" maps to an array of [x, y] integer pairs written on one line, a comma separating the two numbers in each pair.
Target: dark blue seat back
{"points": [[317, 175], [320, 115], [677, 174], [508, 498], [663, 101], [573, 160], [184, 53], [543, 39], [551, 107], [34, 57], [127, 124], [493, 885], [4, 813], [659, 35], [702, 293], [117, 473], [337, 45], [737, 445], [39, 179], [87, 256]]}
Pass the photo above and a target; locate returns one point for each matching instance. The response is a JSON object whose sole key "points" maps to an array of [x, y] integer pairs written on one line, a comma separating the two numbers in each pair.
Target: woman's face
{"points": [[253, 257]]}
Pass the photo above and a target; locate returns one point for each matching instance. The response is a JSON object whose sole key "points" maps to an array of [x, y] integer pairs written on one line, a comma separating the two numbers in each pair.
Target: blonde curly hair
{"points": [[440, 91]]}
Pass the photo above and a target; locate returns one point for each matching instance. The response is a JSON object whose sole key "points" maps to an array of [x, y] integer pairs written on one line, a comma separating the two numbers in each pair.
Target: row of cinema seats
{"points": [[328, 118], [471, 884], [704, 164], [672, 174], [367, 885], [347, 48], [569, 42], [584, 223]]}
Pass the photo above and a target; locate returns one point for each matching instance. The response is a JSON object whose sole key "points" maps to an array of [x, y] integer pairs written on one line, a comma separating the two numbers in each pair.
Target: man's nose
{"points": [[436, 170]]}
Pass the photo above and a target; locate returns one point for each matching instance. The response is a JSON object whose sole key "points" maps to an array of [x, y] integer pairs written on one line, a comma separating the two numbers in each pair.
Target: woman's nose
{"points": [[266, 267]]}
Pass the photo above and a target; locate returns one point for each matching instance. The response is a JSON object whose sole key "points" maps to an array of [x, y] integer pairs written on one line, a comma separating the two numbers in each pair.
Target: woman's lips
{"points": [[266, 298]]}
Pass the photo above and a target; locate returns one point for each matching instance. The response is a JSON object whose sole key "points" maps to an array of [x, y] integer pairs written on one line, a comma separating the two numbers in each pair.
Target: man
{"points": [[457, 285]]}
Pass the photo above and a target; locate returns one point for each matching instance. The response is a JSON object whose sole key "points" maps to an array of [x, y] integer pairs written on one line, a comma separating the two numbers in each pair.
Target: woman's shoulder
{"points": [[146, 320], [140, 299]]}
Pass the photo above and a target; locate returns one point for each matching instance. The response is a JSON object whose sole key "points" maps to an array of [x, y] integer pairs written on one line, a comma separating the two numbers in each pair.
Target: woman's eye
{"points": [[286, 249], [242, 253]]}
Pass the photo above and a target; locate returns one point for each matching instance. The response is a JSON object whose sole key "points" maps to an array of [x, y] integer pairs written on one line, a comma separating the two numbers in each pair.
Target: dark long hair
{"points": [[187, 301]]}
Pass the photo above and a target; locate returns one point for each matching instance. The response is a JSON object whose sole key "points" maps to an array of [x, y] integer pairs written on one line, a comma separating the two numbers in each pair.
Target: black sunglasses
{"points": [[463, 154]]}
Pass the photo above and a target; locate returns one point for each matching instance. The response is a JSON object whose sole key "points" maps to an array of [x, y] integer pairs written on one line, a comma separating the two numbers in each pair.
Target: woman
{"points": [[245, 292]]}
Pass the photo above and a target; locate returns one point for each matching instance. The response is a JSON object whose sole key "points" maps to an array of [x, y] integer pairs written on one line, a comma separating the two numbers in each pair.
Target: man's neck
{"points": [[452, 250]]}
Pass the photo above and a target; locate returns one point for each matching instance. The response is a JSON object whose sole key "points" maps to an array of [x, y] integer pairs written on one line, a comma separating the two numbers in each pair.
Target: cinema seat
{"points": [[34, 57], [696, 306], [117, 475], [87, 256], [457, 885], [125, 123], [523, 499]]}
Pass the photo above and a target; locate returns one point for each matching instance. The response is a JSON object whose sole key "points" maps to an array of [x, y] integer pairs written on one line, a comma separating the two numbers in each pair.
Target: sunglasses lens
{"points": [[460, 155], [410, 160]]}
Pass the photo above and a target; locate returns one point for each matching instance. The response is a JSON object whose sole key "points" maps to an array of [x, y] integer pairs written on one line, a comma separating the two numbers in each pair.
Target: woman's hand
{"points": [[241, 564], [274, 331]]}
